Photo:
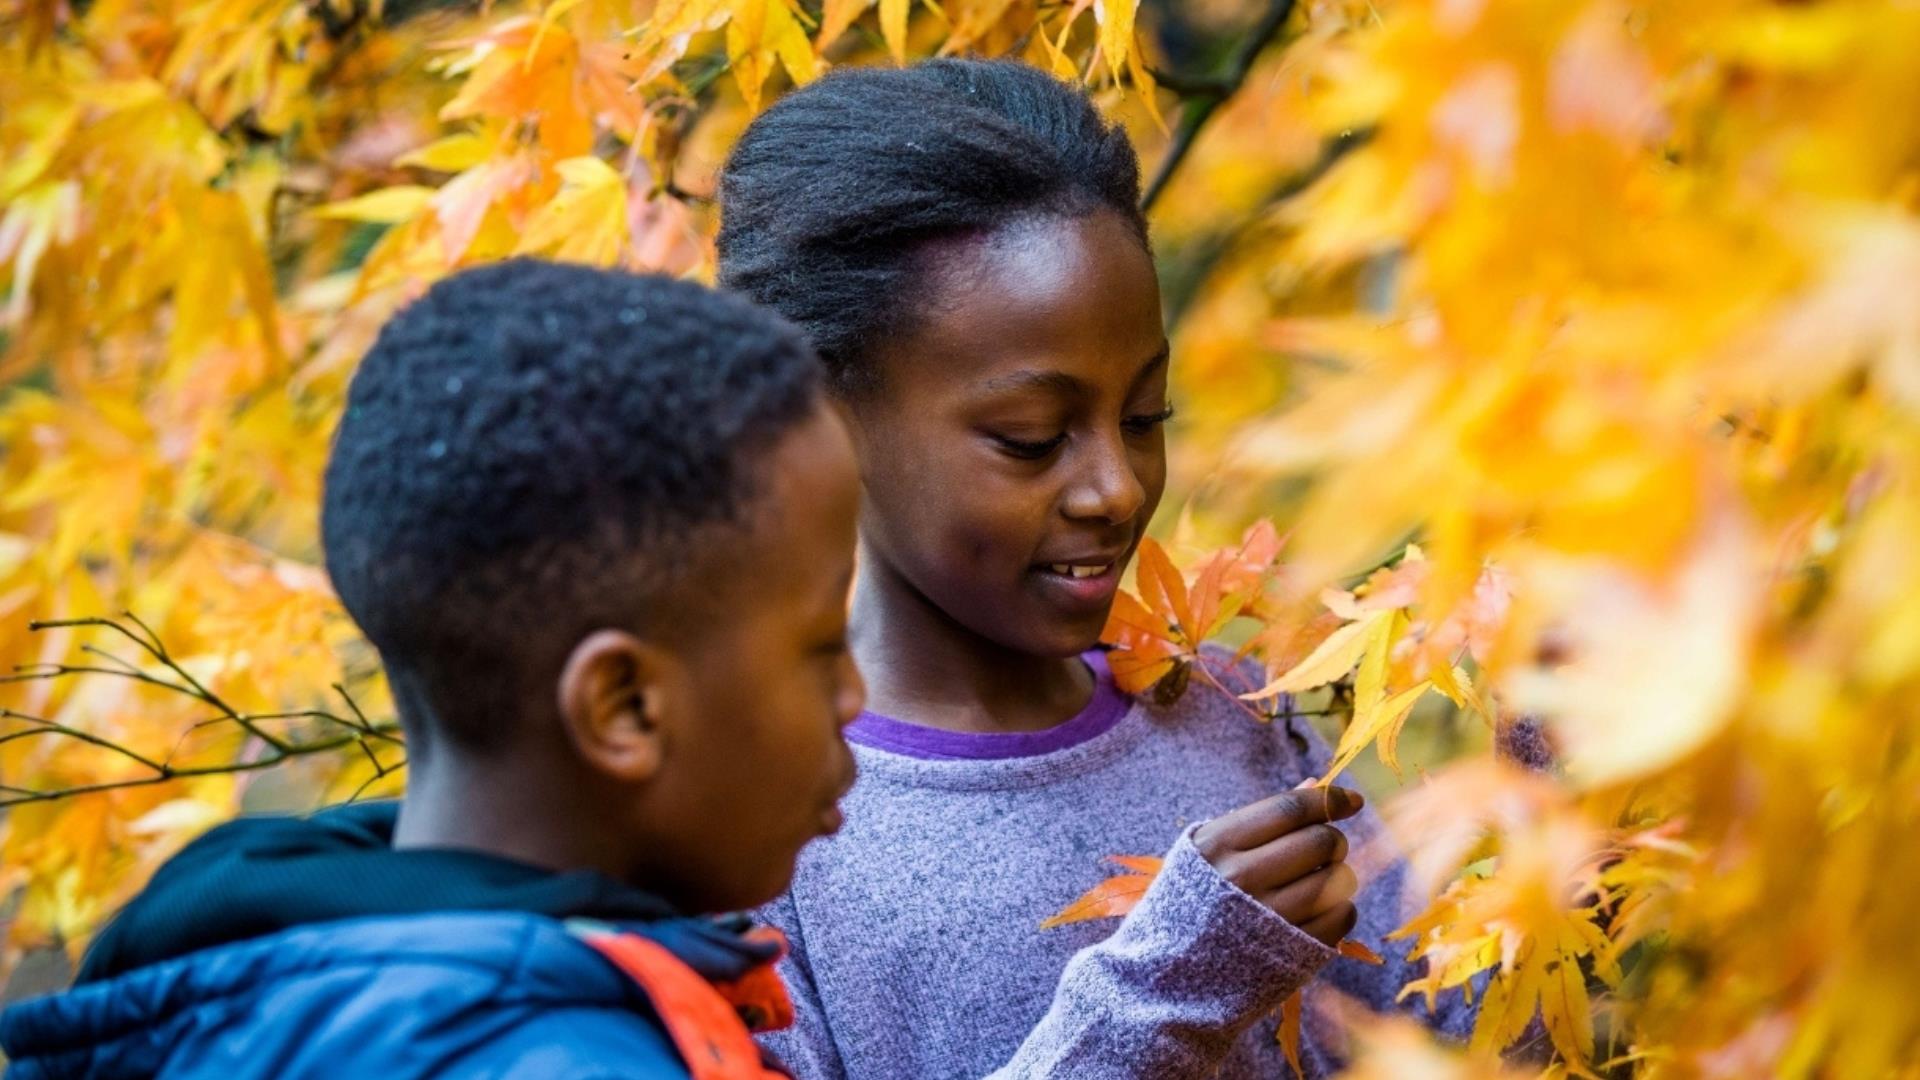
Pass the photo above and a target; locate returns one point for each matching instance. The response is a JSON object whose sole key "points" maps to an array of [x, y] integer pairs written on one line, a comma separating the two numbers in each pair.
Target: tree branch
{"points": [[49, 727], [359, 729], [1184, 272], [1206, 95], [152, 646]]}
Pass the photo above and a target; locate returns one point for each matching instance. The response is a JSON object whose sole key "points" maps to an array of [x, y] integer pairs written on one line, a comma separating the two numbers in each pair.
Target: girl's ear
{"points": [[619, 699]]}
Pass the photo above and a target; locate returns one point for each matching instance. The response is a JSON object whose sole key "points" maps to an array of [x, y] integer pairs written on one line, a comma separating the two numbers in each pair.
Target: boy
{"points": [[600, 528]]}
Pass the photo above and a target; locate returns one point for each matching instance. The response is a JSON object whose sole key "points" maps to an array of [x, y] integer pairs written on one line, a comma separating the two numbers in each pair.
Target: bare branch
{"points": [[155, 648], [28, 673], [1184, 272], [1206, 95], [166, 773], [382, 774], [353, 706], [49, 727], [359, 728], [103, 654]]}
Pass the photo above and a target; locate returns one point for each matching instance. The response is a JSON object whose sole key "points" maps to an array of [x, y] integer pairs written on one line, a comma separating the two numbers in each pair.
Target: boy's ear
{"points": [[617, 697]]}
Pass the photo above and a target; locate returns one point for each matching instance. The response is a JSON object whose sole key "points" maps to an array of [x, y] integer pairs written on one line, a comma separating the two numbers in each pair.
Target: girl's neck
{"points": [[924, 668]]}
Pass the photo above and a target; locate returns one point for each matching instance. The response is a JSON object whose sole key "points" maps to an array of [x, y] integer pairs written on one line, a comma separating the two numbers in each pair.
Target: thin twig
{"points": [[103, 654], [376, 778], [1245, 706], [160, 653], [1188, 270], [1211, 94], [360, 729], [26, 673], [157, 649], [354, 706], [50, 727], [163, 774], [151, 648], [1188, 85], [384, 732]]}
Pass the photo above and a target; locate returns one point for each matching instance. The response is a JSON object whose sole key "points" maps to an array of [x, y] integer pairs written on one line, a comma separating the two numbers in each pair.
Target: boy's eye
{"points": [[1030, 451], [1141, 425]]}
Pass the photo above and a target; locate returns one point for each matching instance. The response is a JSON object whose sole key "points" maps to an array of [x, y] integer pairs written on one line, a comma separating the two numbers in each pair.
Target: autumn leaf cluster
{"points": [[1538, 361]]}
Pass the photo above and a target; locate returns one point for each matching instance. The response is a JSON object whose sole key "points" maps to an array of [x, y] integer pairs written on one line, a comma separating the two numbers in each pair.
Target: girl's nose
{"points": [[1106, 488]]}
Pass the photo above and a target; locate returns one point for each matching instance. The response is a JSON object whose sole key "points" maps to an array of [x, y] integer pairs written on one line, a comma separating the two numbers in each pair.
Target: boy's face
{"points": [[1014, 451], [755, 763]]}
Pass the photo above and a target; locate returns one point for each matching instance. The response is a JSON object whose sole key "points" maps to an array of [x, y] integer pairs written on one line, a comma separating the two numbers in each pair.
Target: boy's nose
{"points": [[853, 691]]}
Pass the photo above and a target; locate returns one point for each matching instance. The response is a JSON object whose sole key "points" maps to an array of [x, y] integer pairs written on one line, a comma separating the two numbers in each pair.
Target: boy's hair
{"points": [[527, 454], [831, 193]]}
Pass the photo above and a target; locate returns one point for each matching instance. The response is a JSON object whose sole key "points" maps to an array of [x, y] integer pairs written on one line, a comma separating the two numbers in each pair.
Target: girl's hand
{"points": [[1284, 852]]}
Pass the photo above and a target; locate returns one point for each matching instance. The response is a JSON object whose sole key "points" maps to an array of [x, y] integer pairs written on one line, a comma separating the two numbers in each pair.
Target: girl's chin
{"points": [[1046, 634]]}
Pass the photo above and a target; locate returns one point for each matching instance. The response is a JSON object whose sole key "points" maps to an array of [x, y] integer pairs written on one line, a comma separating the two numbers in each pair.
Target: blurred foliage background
{"points": [[1607, 306]]}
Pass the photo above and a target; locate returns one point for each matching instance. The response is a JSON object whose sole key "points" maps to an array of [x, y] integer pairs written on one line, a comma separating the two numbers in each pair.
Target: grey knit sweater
{"points": [[917, 951]]}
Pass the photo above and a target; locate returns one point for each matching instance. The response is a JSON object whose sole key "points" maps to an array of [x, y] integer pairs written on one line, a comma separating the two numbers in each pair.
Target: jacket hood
{"points": [[258, 876], [322, 910]]}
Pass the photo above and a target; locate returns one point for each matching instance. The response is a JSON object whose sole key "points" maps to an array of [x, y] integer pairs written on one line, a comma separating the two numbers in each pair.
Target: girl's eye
{"points": [[1030, 451], [1141, 425]]}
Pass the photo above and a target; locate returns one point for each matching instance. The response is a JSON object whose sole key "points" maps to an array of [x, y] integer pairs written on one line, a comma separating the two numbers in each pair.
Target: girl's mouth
{"points": [[1070, 570], [1084, 586]]}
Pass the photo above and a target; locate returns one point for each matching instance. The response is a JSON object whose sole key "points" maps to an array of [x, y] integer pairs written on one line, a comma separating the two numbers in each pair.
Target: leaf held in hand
{"points": [[1288, 1033], [1113, 897], [1354, 950]]}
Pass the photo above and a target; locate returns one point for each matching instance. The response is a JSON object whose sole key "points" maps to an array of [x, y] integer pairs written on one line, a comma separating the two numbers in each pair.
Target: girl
{"points": [[961, 239]]}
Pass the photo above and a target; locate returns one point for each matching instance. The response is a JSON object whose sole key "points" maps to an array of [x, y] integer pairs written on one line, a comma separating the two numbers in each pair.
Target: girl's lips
{"points": [[1088, 592]]}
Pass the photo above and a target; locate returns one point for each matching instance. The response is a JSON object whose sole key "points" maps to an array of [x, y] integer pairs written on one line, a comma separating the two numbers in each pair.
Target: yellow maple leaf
{"points": [[1115, 19], [586, 221], [761, 32]]}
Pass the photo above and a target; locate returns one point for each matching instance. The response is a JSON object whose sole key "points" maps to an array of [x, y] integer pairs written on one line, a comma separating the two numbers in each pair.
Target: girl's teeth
{"points": [[1077, 571]]}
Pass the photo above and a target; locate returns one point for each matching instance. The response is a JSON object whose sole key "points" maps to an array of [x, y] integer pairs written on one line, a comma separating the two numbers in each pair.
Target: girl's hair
{"points": [[831, 194]]}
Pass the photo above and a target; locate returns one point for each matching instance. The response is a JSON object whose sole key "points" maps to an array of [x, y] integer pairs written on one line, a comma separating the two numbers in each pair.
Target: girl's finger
{"points": [[1331, 926], [1276, 816], [1281, 862], [1324, 890]]}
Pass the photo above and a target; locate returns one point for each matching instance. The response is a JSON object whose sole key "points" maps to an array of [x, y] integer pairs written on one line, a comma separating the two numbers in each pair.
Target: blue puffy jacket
{"points": [[447, 993]]}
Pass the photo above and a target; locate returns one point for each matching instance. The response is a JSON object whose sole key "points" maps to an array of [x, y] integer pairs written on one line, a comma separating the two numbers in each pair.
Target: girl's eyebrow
{"points": [[1059, 382], [1154, 363]]}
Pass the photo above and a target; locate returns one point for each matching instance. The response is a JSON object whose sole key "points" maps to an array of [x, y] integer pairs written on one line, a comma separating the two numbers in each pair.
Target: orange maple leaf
{"points": [[1156, 636], [1356, 951], [1288, 1033], [1113, 897]]}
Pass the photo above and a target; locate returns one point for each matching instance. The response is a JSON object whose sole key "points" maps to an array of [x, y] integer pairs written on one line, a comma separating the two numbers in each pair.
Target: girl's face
{"points": [[1014, 452]]}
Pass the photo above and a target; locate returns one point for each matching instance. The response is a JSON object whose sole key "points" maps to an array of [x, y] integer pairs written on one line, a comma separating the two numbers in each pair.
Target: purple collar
{"points": [[1105, 709]]}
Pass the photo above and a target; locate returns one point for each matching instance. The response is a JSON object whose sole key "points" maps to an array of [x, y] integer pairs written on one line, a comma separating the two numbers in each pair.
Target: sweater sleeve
{"points": [[1195, 964], [806, 1048]]}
